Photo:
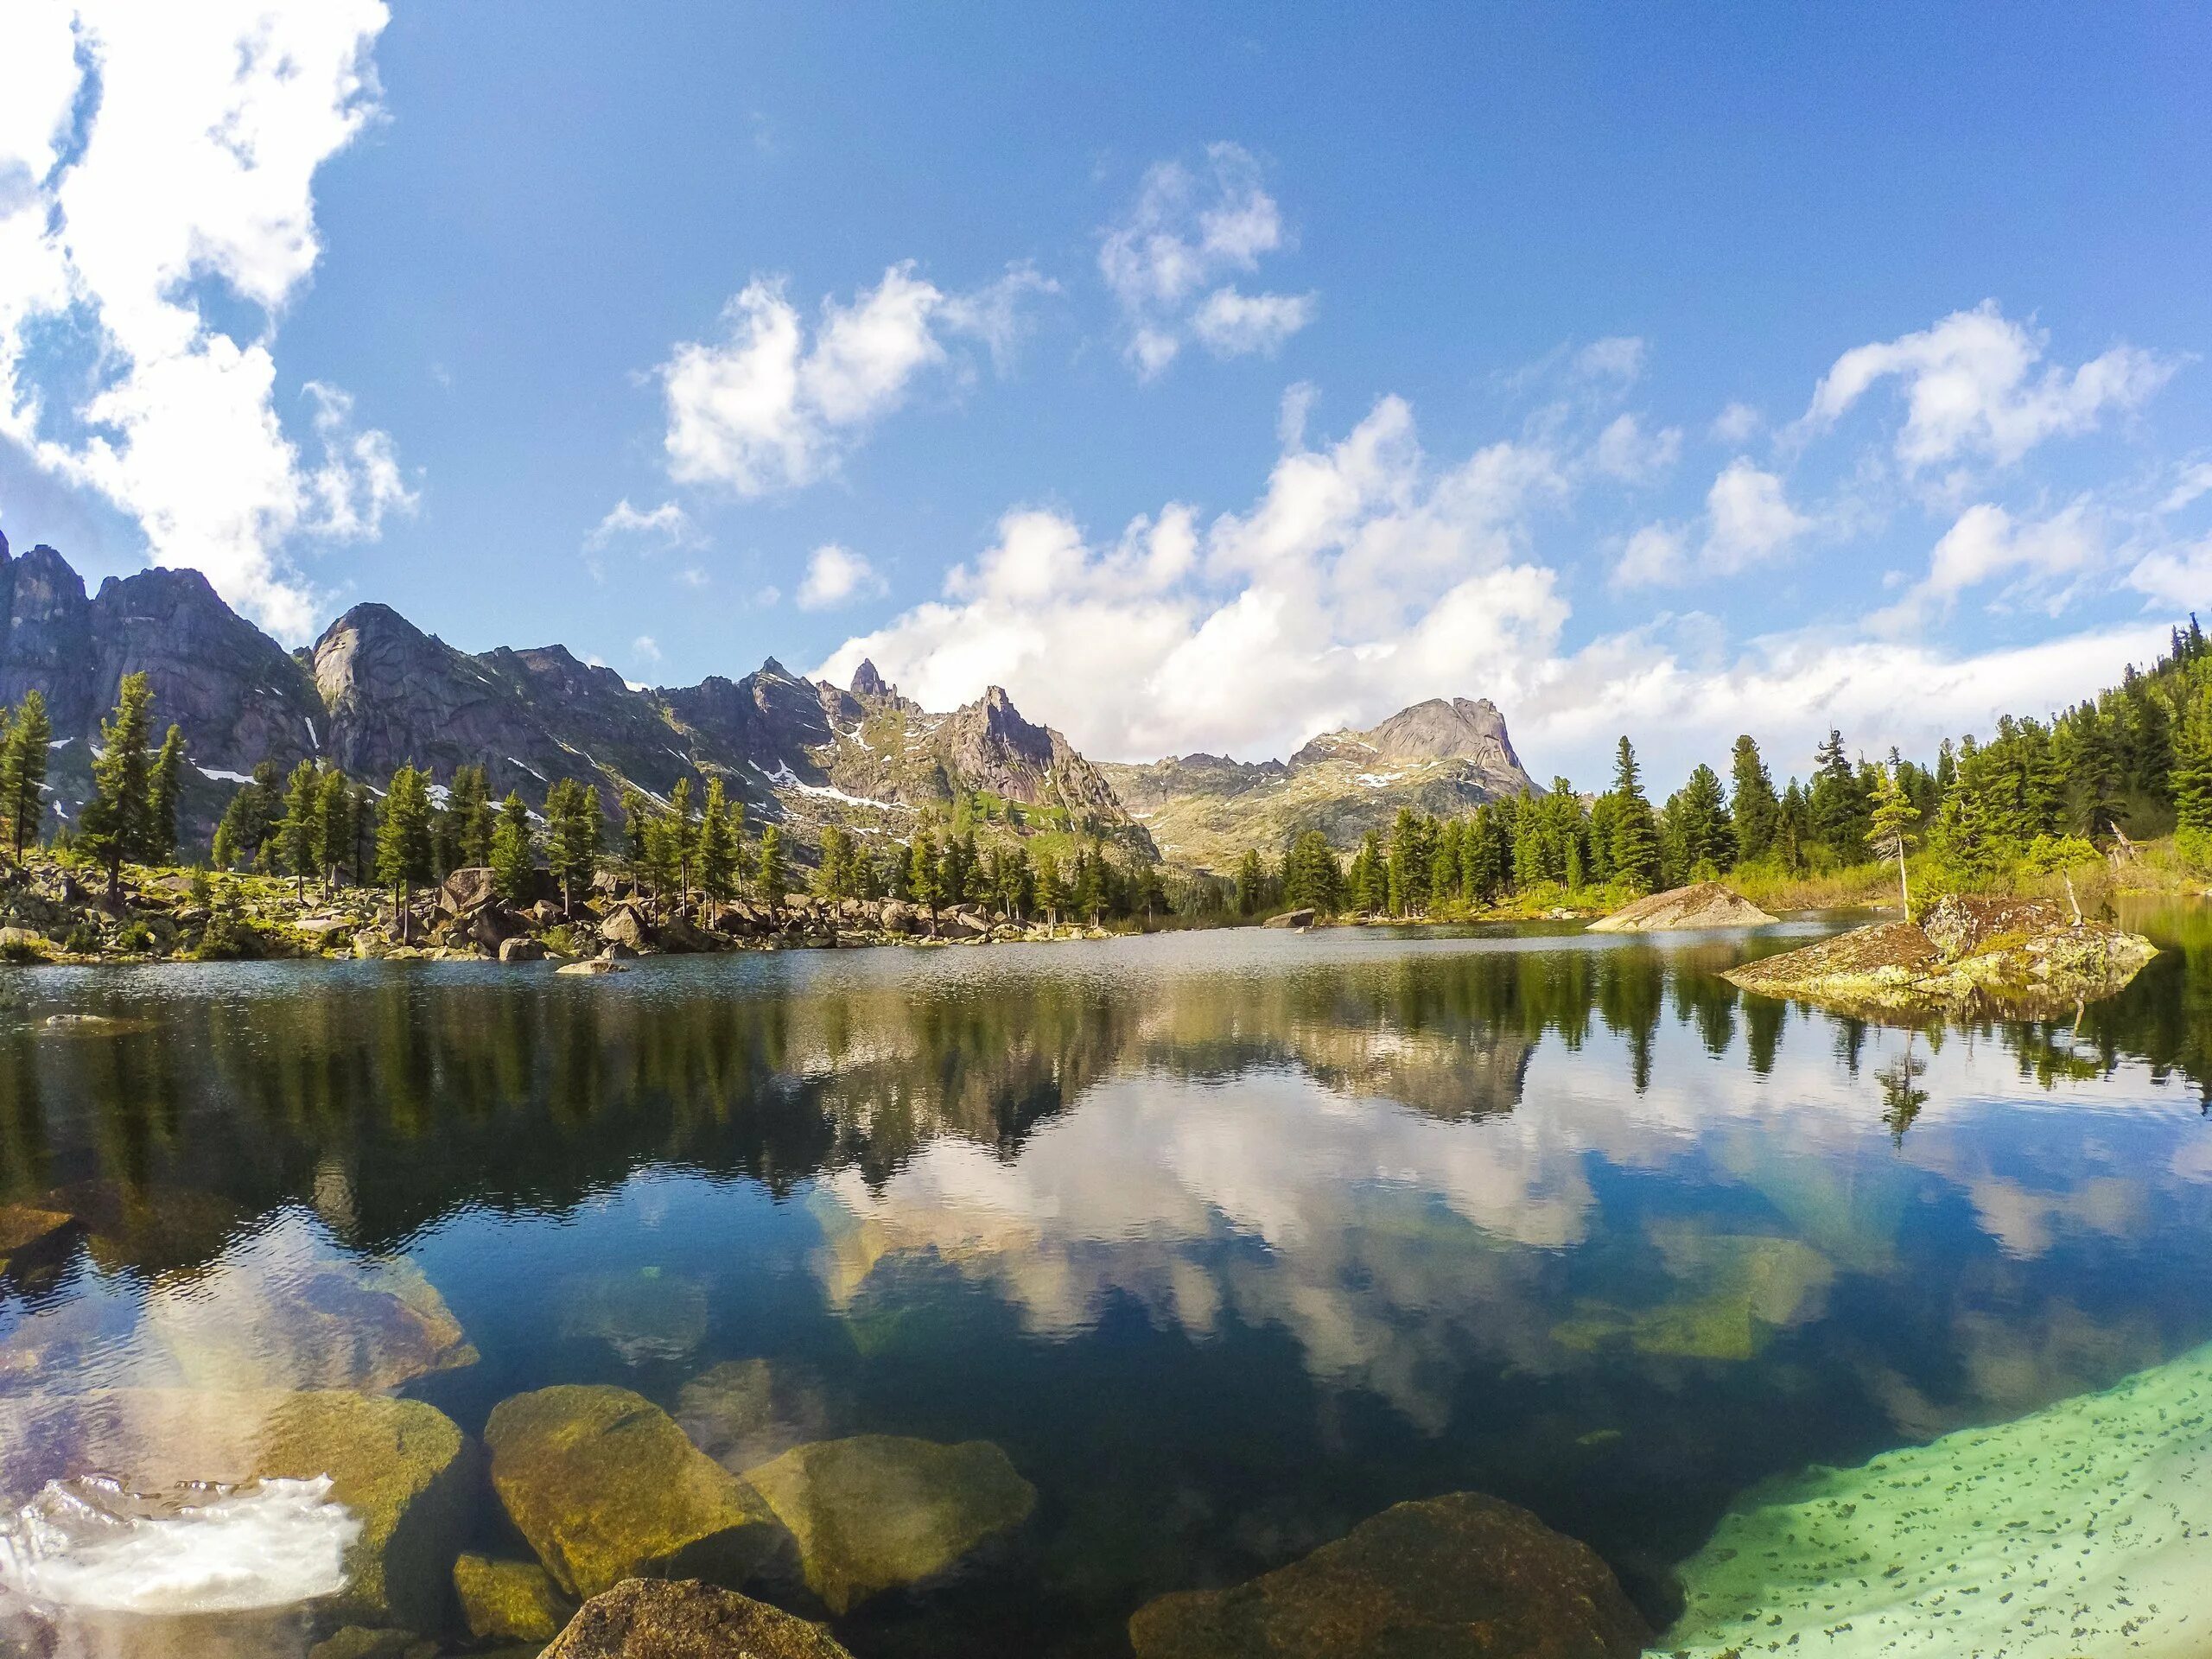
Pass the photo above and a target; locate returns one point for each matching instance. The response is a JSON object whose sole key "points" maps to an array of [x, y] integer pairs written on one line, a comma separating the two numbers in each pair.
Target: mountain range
{"points": [[376, 692]]}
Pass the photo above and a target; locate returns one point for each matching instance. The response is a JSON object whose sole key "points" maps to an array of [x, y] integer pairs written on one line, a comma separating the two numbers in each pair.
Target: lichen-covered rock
{"points": [[877, 1511], [1701, 904], [606, 1487], [1464, 1576], [508, 1601], [653, 1619]]}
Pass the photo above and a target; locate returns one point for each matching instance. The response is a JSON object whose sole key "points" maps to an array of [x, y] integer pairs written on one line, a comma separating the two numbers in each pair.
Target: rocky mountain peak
{"points": [[867, 684]]}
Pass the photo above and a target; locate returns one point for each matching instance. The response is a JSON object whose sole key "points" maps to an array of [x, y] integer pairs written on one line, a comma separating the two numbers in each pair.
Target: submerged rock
{"points": [[150, 1228], [357, 1641], [2020, 956], [1702, 904], [592, 966], [508, 1601], [29, 1233], [2085, 1528], [878, 1511], [642, 1316], [653, 1619], [1738, 1289], [605, 1487], [1464, 1576], [744, 1412], [400, 1466]]}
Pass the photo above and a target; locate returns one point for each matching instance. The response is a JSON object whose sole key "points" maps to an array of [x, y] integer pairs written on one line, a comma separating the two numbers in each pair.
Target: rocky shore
{"points": [[2009, 955]]}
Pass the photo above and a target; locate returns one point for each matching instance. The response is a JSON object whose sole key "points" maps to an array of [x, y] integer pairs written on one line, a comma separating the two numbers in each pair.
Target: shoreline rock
{"points": [[644, 1618], [1701, 905], [2023, 957]]}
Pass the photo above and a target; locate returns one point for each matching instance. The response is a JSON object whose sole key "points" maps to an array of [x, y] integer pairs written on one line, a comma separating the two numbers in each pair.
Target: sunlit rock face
{"points": [[2083, 1527]]}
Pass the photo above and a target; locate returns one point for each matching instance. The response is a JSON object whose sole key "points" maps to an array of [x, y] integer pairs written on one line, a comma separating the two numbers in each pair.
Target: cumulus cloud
{"points": [[194, 166], [1625, 451], [767, 407], [667, 523], [1165, 260], [1617, 357], [2179, 576], [1364, 577], [2036, 557], [646, 648], [1973, 388], [1748, 521], [1737, 423], [836, 575]]}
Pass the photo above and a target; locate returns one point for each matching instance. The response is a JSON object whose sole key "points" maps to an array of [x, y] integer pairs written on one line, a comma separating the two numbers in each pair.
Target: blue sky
{"points": [[1208, 379]]}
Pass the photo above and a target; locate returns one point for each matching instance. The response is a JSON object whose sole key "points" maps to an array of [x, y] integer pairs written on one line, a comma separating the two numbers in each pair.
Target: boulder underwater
{"points": [[656, 1618], [605, 1487], [878, 1511], [2083, 1527], [509, 1601], [1463, 1576]]}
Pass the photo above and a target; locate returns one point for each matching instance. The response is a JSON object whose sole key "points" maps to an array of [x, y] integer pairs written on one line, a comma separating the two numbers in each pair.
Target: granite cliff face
{"points": [[1437, 757], [376, 692]]}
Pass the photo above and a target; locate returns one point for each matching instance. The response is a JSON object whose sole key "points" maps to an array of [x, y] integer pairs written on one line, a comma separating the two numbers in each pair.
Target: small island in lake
{"points": [[2022, 955]]}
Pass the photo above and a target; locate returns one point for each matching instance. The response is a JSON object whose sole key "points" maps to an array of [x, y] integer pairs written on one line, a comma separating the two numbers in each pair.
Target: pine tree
{"points": [[166, 791], [1251, 883], [1753, 804], [462, 831], [1837, 804], [335, 808], [834, 879], [405, 853], [116, 824], [1636, 833], [300, 836], [772, 866], [1895, 819], [922, 872], [1051, 892], [22, 774], [514, 866], [718, 849]]}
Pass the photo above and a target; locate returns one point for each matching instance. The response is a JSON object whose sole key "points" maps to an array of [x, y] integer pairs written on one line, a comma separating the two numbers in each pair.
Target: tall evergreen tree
{"points": [[1251, 883], [116, 826], [1895, 819], [300, 835], [334, 807], [406, 854], [772, 866], [514, 864], [166, 794], [1636, 832], [1752, 802], [22, 774], [719, 848]]}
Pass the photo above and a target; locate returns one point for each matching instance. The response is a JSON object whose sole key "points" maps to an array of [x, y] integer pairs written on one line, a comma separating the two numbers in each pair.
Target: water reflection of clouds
{"points": [[1392, 1243]]}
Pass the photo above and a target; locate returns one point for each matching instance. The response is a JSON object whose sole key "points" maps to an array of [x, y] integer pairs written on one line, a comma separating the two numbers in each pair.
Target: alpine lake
{"points": [[1029, 1284]]}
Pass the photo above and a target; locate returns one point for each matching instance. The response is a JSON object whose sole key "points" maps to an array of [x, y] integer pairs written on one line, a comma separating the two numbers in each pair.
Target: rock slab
{"points": [[605, 1487], [1464, 1576], [877, 1511], [1702, 904]]}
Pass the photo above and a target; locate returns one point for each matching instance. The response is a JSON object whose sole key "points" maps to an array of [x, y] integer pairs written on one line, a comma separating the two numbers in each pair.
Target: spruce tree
{"points": [[718, 849], [167, 793], [1635, 832], [300, 836], [116, 824], [405, 853], [1752, 802], [772, 865], [1895, 818], [1251, 883], [335, 808], [22, 774], [514, 866]]}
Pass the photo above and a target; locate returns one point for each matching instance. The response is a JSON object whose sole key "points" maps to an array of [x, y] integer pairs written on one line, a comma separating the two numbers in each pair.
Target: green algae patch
{"points": [[877, 1511], [508, 1601], [1464, 1576], [606, 1487], [2085, 1528]]}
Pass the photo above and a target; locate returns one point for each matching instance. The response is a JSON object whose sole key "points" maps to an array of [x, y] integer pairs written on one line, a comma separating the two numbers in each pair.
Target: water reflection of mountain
{"points": [[429, 1091]]}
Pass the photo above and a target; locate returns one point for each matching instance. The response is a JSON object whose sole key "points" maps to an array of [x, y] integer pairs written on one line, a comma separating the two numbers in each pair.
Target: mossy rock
{"points": [[640, 1619], [606, 1487], [1464, 1576], [509, 1601], [29, 1233], [401, 1466], [357, 1642], [878, 1511]]}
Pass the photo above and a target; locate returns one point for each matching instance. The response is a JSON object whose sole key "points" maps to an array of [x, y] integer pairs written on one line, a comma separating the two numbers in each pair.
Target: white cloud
{"points": [[1187, 230], [1737, 423], [196, 166], [1748, 521], [1230, 324], [646, 648], [767, 409], [1625, 451], [836, 575], [1617, 357], [2180, 575], [694, 578], [1988, 542], [667, 522], [2195, 480], [1971, 388], [1363, 578]]}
